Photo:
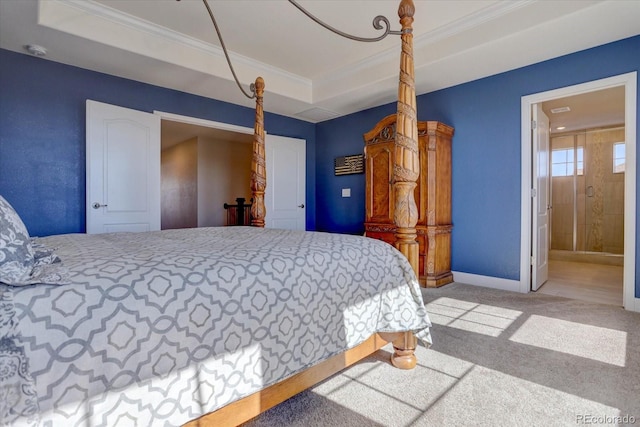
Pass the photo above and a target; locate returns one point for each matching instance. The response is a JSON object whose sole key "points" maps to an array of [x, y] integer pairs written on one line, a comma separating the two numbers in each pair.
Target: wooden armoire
{"points": [[432, 194]]}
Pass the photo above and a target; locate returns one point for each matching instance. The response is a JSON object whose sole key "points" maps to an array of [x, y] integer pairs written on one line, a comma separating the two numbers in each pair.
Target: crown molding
{"points": [[90, 35], [50, 10], [315, 89], [476, 19], [451, 29]]}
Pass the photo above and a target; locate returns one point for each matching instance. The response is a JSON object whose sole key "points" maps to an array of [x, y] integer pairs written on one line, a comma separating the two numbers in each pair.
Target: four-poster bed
{"points": [[133, 326], [405, 176]]}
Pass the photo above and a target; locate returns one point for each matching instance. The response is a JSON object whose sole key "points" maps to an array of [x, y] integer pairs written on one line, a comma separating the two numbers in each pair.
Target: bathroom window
{"points": [[618, 157], [563, 162]]}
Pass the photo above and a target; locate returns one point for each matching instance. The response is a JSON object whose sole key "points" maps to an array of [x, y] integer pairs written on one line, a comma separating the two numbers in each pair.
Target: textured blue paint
{"points": [[342, 137], [486, 154], [42, 134]]}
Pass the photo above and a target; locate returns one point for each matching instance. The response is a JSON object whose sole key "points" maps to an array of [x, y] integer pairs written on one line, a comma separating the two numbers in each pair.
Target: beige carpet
{"points": [[498, 359]]}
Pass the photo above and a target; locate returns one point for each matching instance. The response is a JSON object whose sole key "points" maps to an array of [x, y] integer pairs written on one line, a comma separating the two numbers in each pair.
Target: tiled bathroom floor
{"points": [[584, 281]]}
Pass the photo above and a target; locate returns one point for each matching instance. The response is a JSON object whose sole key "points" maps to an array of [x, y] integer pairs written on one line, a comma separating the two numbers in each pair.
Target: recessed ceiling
{"points": [[310, 73], [174, 132], [601, 108]]}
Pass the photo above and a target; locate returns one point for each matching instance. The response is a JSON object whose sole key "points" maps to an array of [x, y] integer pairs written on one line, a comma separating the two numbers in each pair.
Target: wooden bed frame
{"points": [[406, 216]]}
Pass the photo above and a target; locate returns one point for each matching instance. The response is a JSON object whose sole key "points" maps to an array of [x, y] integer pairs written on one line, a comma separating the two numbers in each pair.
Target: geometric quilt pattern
{"points": [[159, 328]]}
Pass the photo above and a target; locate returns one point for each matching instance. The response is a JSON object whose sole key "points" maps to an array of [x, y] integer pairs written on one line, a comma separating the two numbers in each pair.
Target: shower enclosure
{"points": [[587, 192]]}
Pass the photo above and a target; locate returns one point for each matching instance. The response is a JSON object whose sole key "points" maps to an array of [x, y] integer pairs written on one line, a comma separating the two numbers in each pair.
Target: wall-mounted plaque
{"points": [[349, 164]]}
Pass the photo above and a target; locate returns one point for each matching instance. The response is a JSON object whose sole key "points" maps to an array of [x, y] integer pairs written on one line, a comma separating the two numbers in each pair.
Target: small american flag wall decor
{"points": [[349, 164]]}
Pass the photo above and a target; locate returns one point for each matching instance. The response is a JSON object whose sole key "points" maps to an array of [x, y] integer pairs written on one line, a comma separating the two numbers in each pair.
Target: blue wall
{"points": [[42, 150], [486, 155], [42, 134]]}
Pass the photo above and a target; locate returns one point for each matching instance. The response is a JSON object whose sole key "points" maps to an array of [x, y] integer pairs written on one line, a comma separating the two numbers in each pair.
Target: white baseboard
{"points": [[487, 281]]}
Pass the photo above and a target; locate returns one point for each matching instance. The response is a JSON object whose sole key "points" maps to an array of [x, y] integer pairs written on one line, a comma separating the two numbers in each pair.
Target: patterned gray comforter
{"points": [[159, 328]]}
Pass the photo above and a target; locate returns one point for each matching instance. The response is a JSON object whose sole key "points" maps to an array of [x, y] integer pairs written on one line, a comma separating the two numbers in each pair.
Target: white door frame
{"points": [[203, 122], [629, 81]]}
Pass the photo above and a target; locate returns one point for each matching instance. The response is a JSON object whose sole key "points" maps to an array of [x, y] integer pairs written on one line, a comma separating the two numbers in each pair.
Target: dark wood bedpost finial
{"points": [[258, 162], [407, 169]]}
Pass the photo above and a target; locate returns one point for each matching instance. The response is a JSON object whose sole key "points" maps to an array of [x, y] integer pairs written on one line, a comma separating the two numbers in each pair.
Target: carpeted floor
{"points": [[498, 359]]}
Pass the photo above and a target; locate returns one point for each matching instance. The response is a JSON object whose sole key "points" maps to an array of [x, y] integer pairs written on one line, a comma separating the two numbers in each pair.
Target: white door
{"points": [[540, 198], [285, 192], [123, 169]]}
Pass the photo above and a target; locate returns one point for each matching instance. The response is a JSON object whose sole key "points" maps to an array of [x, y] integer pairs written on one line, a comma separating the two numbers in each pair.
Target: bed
{"points": [[208, 326]]}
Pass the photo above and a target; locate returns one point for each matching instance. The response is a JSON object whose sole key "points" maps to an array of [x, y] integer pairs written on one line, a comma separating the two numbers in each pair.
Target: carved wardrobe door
{"points": [[379, 163]]}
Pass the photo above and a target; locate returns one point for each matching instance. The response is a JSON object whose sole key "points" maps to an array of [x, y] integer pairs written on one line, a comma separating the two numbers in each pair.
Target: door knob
{"points": [[301, 206], [590, 192], [97, 205]]}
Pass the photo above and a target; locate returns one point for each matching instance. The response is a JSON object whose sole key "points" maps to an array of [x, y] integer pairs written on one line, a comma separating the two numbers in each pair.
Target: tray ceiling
{"points": [[310, 73]]}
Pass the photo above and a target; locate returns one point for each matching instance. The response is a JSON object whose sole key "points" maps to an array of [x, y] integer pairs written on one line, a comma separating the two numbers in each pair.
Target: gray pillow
{"points": [[16, 253], [25, 261], [42, 254]]}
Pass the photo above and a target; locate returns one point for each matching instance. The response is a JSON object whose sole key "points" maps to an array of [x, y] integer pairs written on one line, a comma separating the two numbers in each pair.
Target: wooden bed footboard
{"points": [[253, 405]]}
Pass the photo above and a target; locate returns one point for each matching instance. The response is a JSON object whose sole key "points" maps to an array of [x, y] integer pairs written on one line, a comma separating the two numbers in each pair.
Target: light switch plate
{"points": [[346, 192]]}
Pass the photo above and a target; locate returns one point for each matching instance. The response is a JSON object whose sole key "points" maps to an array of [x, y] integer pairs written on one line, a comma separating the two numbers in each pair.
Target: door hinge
{"points": [[534, 124], [534, 193], [532, 260]]}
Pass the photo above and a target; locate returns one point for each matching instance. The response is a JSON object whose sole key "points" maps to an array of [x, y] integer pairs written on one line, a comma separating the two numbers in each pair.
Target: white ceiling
{"points": [[310, 73], [591, 110], [174, 132]]}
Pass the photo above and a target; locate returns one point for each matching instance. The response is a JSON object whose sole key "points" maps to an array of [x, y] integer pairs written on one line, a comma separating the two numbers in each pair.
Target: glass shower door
{"points": [[604, 190], [587, 191]]}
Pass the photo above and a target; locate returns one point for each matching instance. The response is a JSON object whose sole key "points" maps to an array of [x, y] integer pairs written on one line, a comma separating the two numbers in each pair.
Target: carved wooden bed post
{"points": [[405, 174], [258, 162]]}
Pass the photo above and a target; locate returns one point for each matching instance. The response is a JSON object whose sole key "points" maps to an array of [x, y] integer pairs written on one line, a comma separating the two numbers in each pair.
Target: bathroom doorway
{"points": [[587, 165]]}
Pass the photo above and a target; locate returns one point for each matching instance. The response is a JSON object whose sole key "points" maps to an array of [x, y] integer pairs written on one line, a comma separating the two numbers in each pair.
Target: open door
{"points": [[123, 169], [286, 189], [540, 198]]}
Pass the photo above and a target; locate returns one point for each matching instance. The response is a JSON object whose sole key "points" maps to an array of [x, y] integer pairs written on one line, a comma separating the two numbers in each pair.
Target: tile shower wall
{"points": [[589, 208]]}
